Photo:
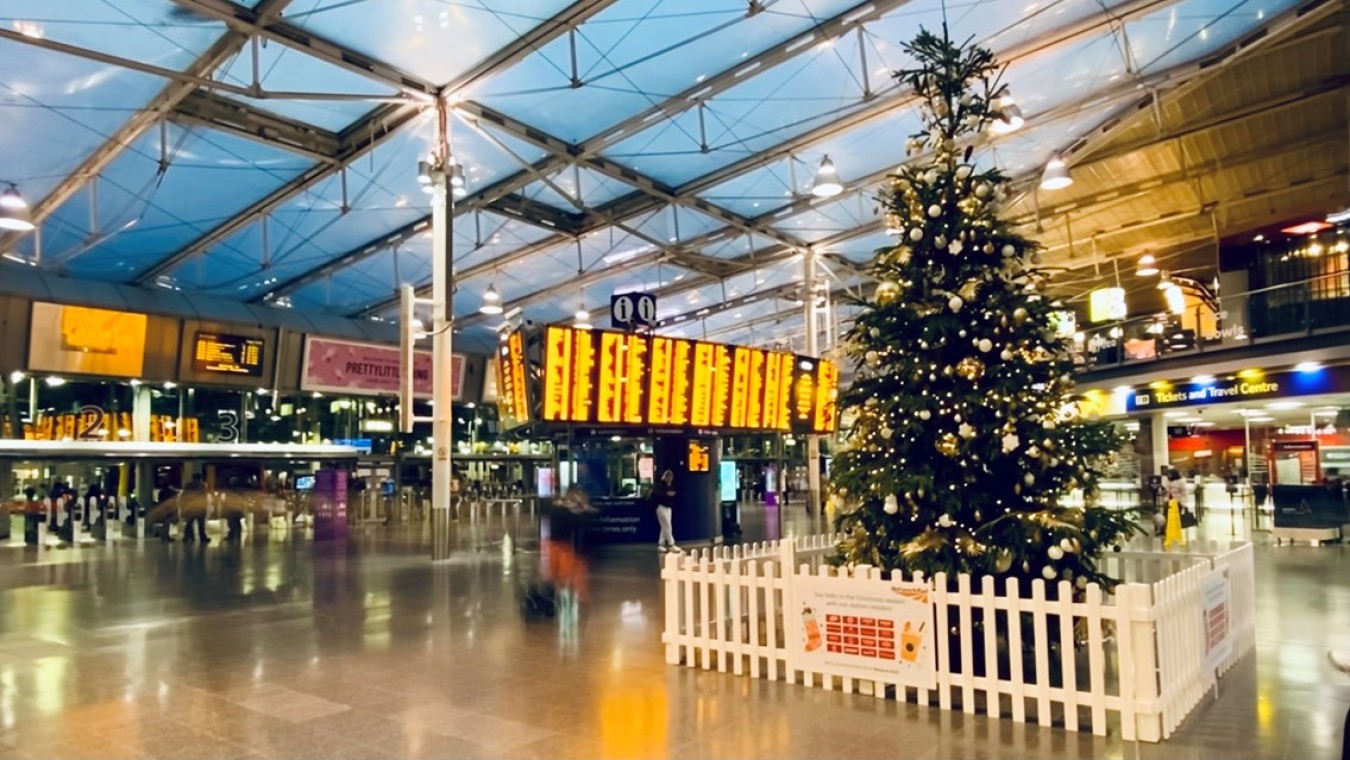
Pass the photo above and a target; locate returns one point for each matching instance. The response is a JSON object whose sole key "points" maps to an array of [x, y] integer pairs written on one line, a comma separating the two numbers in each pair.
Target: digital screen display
{"points": [[612, 378], [227, 354], [512, 403]]}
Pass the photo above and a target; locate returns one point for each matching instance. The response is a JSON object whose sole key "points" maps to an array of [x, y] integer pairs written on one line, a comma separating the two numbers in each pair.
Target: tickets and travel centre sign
{"points": [[1246, 386], [608, 378]]}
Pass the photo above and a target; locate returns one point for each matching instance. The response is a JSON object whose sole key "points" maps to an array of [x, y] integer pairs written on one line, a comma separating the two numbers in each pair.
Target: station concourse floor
{"points": [[282, 648]]}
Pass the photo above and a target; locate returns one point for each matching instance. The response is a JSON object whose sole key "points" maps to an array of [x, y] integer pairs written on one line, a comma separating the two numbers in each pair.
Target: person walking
{"points": [[193, 502], [663, 497]]}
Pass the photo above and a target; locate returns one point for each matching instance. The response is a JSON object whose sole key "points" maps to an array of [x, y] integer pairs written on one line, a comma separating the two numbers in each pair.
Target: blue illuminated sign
{"points": [[1247, 386]]}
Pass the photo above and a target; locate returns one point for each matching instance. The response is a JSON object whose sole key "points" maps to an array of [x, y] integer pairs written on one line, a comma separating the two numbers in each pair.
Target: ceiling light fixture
{"points": [[492, 301], [1056, 175], [14, 212], [1007, 116], [826, 183], [583, 319], [1147, 266]]}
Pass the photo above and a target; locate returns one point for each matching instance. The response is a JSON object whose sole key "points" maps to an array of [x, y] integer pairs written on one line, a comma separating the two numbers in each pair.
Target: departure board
{"points": [[512, 402], [227, 354], [609, 378]]}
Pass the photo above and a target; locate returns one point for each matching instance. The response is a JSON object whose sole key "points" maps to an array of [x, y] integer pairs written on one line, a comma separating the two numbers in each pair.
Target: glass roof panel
{"points": [[863, 248], [595, 189], [637, 53], [369, 280], [382, 194], [827, 220], [57, 109], [434, 39], [157, 32], [809, 90], [1066, 74], [491, 236], [140, 215], [1191, 29], [674, 224], [285, 69]]}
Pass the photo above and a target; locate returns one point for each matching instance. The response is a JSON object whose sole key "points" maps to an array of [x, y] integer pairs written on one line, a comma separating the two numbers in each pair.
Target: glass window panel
{"points": [[491, 236], [143, 215], [863, 248], [1065, 74], [57, 109], [675, 223], [433, 39]]}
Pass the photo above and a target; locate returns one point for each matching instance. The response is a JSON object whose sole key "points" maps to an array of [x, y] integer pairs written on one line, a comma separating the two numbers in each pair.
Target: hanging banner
{"points": [[350, 367], [857, 628]]}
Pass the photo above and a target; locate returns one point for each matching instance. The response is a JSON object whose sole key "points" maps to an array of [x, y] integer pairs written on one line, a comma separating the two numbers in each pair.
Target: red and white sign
{"points": [[343, 366]]}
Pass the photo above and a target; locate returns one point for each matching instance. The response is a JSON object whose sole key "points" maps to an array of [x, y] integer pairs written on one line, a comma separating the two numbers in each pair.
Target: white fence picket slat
{"points": [[1096, 659], [1018, 691], [991, 686], [729, 604], [966, 601], [1067, 659], [1041, 643]]}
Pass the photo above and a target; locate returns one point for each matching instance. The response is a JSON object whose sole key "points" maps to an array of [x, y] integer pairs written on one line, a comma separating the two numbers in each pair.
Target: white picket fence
{"points": [[1133, 659]]}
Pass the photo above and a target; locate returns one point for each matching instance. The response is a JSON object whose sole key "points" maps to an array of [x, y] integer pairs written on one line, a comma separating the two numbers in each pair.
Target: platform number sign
{"points": [[630, 310]]}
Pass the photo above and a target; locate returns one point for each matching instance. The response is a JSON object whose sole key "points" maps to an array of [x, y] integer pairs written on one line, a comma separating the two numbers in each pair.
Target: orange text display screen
{"points": [[611, 378]]}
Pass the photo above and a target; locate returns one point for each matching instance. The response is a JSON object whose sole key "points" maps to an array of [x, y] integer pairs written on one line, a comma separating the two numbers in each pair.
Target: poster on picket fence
{"points": [[1216, 596], [869, 629]]}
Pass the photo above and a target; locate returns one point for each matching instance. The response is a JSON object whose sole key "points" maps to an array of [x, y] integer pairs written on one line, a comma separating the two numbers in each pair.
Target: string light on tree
{"points": [[962, 386]]}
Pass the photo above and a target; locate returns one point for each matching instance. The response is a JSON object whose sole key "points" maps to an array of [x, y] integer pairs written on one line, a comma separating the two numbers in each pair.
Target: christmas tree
{"points": [[966, 436]]}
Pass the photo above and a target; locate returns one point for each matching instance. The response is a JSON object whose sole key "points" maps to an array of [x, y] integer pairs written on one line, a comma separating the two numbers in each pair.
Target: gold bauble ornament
{"points": [[887, 292], [948, 445], [970, 368]]}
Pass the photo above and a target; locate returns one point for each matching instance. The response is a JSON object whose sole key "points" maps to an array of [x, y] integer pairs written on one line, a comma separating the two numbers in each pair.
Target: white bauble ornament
{"points": [[955, 303], [924, 414], [874, 332], [930, 176], [1019, 315], [1048, 573], [887, 433], [1055, 553], [891, 506], [1068, 545], [1081, 582], [1008, 250], [1048, 424], [988, 248], [1005, 355], [961, 334], [1029, 479], [963, 171], [916, 234], [923, 344], [985, 345], [945, 521], [872, 357], [935, 210], [982, 190]]}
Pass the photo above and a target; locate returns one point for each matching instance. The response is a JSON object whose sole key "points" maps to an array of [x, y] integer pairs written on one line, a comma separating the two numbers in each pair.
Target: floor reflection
{"points": [[280, 648]]}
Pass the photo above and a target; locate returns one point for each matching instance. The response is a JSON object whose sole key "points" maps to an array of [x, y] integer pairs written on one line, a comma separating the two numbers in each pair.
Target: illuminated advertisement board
{"points": [[610, 378], [512, 402]]}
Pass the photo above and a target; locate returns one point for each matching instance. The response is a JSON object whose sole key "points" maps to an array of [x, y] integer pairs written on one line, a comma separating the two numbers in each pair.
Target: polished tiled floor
{"points": [[366, 650]]}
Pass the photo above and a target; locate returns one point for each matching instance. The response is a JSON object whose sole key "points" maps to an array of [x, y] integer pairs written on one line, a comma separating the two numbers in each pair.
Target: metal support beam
{"points": [[142, 120], [207, 109], [810, 313], [354, 142]]}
